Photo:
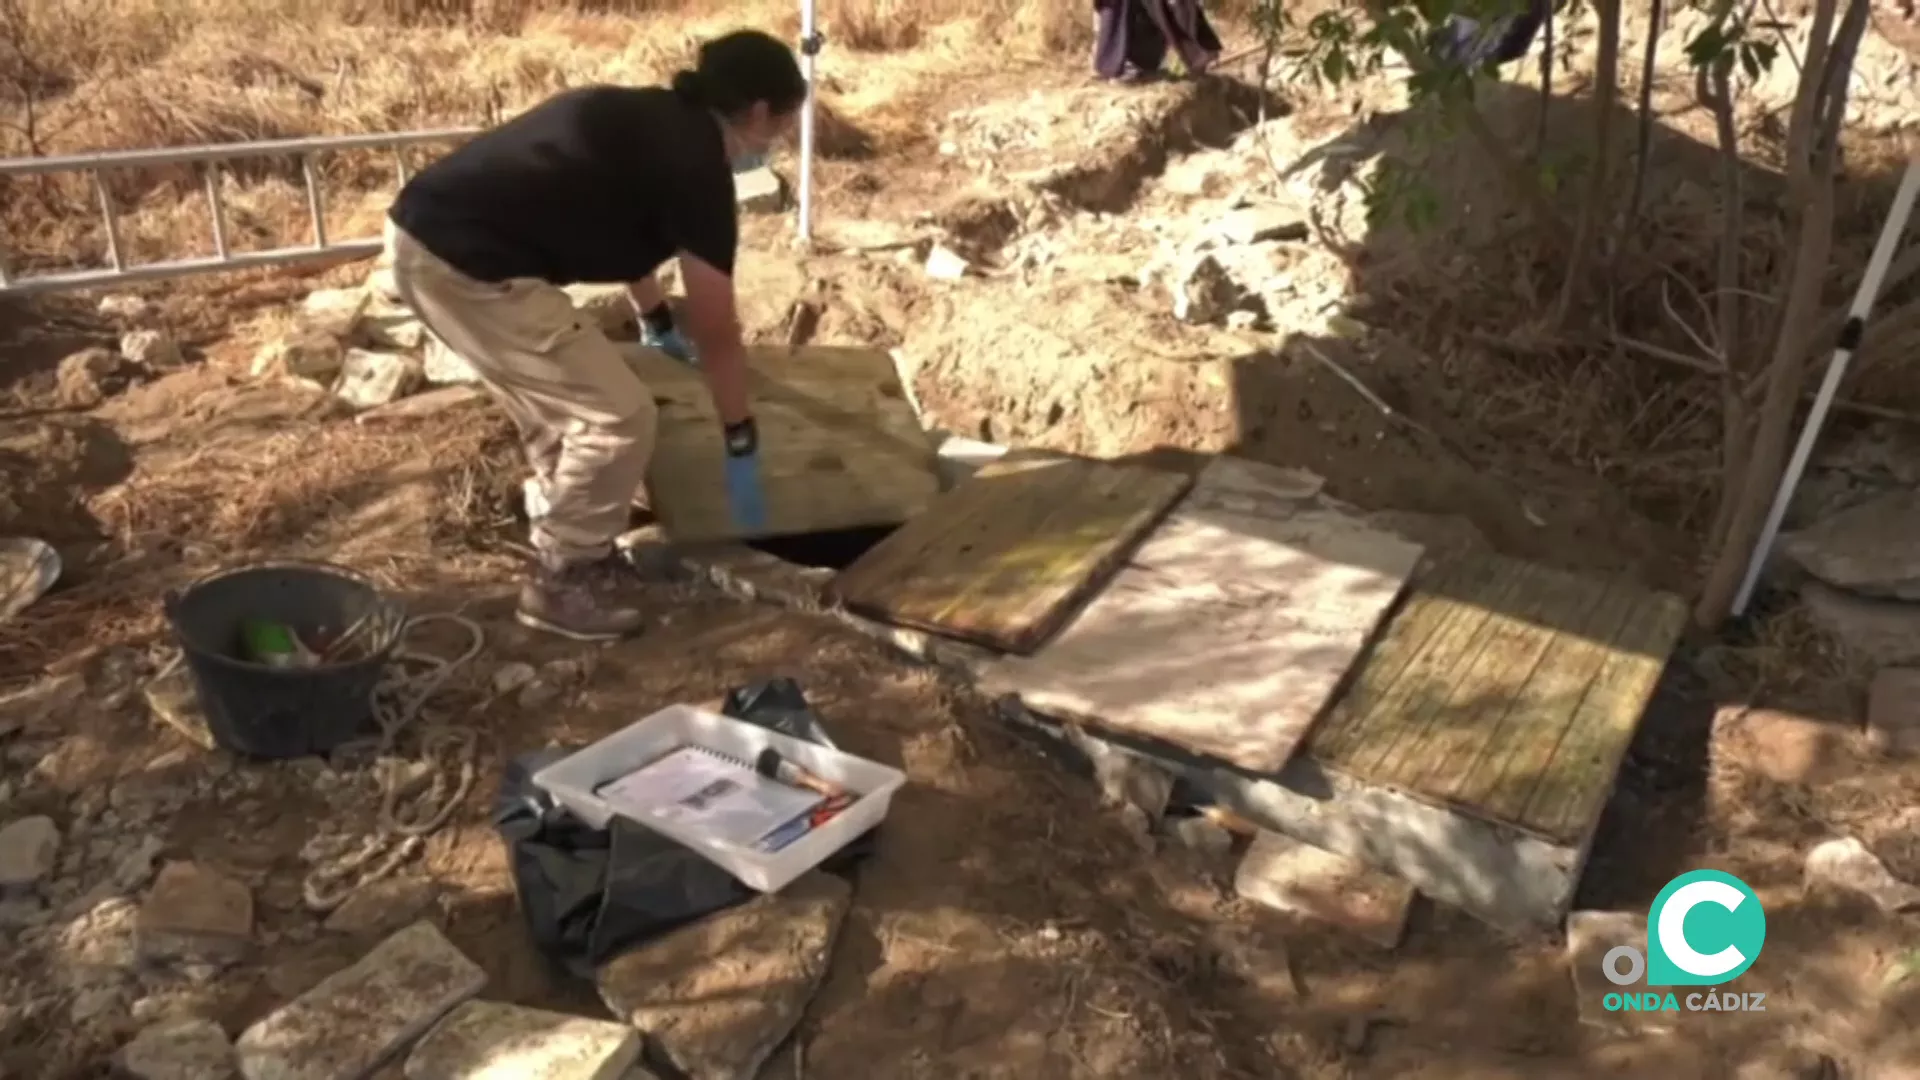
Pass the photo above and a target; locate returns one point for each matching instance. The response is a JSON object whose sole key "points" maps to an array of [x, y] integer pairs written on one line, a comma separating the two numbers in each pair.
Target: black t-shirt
{"points": [[599, 184]]}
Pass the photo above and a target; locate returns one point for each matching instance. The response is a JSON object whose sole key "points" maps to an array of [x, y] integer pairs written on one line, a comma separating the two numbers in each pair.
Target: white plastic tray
{"points": [[572, 780]]}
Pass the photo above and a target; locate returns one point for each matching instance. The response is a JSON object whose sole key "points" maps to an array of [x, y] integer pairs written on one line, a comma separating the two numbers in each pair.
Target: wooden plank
{"points": [[1482, 690], [1230, 628], [1002, 559], [1574, 787], [1398, 714], [1503, 781], [841, 446], [1407, 633]]}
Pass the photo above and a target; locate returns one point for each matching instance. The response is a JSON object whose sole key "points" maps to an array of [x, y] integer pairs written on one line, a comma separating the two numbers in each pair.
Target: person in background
{"points": [[597, 184], [1133, 37]]}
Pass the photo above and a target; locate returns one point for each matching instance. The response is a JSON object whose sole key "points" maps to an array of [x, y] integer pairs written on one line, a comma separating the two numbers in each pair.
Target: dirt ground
{"points": [[1008, 927]]}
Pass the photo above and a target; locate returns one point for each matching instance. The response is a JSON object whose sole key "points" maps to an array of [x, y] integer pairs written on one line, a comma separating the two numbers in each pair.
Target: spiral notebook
{"points": [[703, 789]]}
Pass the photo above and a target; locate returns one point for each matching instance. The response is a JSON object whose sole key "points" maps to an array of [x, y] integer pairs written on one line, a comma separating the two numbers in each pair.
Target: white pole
{"points": [[1850, 334], [809, 49]]}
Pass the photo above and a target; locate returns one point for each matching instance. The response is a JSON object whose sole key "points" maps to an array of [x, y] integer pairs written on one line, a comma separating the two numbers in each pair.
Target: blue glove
{"points": [[671, 342], [744, 497]]}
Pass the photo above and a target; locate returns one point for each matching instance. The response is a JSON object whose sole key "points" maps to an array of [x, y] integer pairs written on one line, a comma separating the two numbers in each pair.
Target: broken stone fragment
{"points": [[303, 356], [1847, 866], [684, 991], [483, 1040], [127, 308], [195, 914], [393, 330], [1290, 875], [151, 349], [381, 907], [945, 264], [28, 849], [444, 367], [175, 703], [355, 1020], [1259, 224], [382, 284], [85, 378], [1199, 834], [370, 379], [186, 1048], [760, 191], [609, 307], [429, 403], [335, 312], [1203, 292]]}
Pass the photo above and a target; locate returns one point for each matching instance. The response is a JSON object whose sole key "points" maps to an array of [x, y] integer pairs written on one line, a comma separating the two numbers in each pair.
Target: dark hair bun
{"points": [[689, 87]]}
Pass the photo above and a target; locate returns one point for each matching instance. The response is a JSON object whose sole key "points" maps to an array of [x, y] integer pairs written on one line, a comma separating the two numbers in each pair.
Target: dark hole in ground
{"points": [[835, 549]]}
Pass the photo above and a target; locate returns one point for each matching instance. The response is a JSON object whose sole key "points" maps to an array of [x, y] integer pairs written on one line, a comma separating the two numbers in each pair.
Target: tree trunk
{"points": [[1597, 204]]}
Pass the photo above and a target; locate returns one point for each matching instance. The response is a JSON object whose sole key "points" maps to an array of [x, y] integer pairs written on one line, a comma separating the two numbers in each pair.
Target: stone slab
{"points": [[717, 997], [28, 848], [485, 1040], [187, 1048], [1283, 873], [195, 913], [357, 1019], [1866, 549]]}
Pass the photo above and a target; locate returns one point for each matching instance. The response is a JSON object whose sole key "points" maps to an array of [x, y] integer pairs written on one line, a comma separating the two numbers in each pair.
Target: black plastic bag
{"points": [[590, 894]]}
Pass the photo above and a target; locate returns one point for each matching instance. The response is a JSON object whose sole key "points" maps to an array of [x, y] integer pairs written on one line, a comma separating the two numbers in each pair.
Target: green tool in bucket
{"points": [[274, 645]]}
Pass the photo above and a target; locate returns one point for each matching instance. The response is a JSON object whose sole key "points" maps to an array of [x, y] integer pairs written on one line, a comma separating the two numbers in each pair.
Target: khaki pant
{"points": [[586, 420]]}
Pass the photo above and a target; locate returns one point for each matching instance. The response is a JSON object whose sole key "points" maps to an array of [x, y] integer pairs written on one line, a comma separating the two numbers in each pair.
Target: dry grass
{"points": [[80, 75]]}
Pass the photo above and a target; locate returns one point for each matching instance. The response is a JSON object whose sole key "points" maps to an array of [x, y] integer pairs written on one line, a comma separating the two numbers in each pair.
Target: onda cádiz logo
{"points": [[1704, 929]]}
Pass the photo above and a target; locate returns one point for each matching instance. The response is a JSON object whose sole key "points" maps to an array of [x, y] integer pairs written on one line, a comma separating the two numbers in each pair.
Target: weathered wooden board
{"points": [[1229, 629], [841, 447], [1507, 690], [1002, 558]]}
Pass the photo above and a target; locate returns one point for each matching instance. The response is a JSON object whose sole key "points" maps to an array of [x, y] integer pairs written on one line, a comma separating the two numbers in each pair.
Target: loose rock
{"points": [[684, 990], [125, 307], [182, 1049], [85, 378], [1199, 834], [1846, 865], [334, 312], [609, 307], [1258, 224], [28, 850], [173, 701], [312, 356], [355, 1020], [945, 264], [1281, 872], [195, 914], [444, 367], [369, 379], [1203, 292], [151, 349], [393, 330], [760, 191], [382, 907], [511, 676], [482, 1040], [1866, 549]]}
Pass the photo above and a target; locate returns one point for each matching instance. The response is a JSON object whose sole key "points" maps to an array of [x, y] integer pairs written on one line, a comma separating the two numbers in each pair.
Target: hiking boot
{"points": [[581, 602]]}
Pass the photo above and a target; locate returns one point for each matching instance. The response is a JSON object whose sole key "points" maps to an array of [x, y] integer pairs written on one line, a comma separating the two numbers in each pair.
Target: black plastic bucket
{"points": [[271, 712]]}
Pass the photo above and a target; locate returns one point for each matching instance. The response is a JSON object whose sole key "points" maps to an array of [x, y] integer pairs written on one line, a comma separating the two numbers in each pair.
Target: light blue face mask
{"points": [[749, 162]]}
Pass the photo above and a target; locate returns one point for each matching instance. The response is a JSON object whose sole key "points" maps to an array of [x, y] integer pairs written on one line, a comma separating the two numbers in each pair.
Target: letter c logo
{"points": [[1707, 927]]}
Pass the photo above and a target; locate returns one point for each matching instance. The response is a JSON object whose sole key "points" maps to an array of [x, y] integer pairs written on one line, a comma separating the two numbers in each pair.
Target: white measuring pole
{"points": [[1850, 335], [809, 50]]}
